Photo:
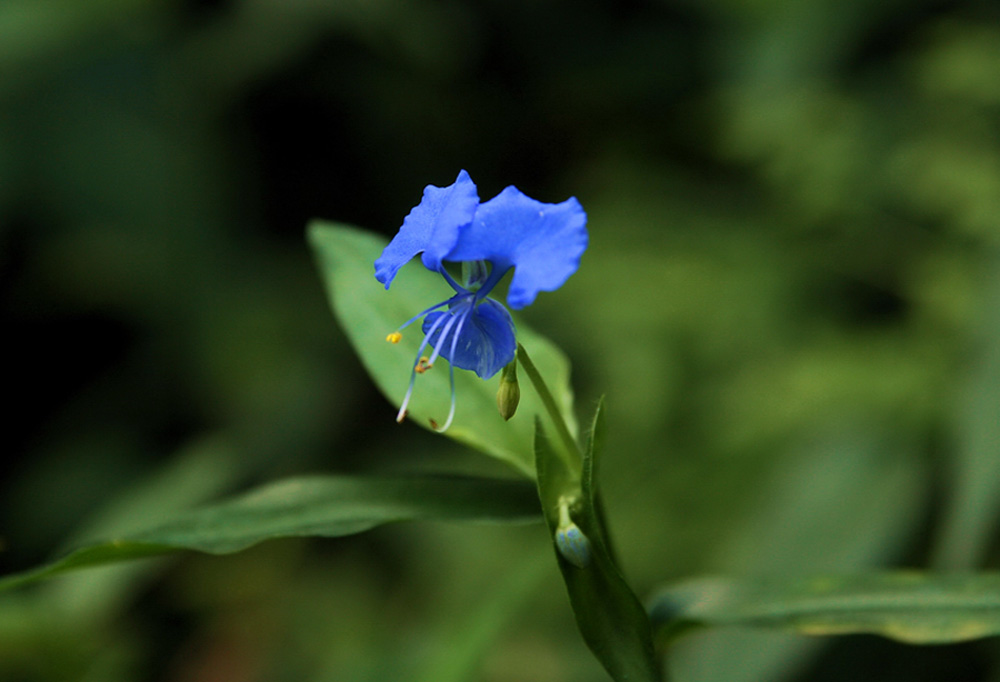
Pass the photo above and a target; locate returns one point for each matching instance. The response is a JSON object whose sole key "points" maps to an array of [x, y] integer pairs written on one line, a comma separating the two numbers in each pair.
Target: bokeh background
{"points": [[791, 301]]}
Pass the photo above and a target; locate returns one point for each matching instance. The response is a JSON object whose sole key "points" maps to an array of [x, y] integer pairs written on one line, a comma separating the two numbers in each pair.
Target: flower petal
{"points": [[542, 242], [485, 343], [431, 227]]}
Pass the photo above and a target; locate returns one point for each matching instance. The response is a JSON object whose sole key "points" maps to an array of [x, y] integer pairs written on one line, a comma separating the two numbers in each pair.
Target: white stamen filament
{"points": [[413, 373], [464, 315]]}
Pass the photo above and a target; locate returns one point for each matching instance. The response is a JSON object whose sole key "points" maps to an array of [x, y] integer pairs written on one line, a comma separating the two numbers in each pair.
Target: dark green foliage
{"points": [[790, 301]]}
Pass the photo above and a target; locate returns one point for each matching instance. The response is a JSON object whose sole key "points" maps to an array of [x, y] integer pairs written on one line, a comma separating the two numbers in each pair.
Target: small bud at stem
{"points": [[509, 394], [572, 544]]}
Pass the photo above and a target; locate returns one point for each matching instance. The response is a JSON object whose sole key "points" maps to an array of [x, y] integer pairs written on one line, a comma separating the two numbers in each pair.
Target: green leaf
{"points": [[846, 500], [973, 495], [202, 471], [325, 506], [610, 617], [465, 640], [909, 607], [368, 313]]}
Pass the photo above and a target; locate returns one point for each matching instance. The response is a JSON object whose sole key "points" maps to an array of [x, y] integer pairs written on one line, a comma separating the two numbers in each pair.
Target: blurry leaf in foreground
{"points": [[466, 640], [971, 513], [367, 313], [610, 617], [326, 506], [846, 500], [197, 474], [908, 607]]}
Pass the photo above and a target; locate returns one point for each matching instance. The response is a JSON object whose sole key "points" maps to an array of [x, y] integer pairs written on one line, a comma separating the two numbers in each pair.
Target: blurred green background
{"points": [[791, 300]]}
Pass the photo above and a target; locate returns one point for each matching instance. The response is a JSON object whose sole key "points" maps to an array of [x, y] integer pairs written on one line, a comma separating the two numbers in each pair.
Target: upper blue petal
{"points": [[432, 227], [486, 342], [542, 242]]}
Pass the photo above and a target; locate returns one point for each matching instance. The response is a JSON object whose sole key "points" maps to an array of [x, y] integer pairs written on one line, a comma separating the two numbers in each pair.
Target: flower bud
{"points": [[509, 394], [571, 542]]}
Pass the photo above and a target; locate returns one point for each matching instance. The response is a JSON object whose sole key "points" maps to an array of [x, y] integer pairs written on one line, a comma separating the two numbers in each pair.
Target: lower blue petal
{"points": [[486, 342]]}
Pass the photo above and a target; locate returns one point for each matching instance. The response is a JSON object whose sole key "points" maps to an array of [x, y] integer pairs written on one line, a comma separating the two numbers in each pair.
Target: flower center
{"points": [[474, 274], [445, 329], [446, 326]]}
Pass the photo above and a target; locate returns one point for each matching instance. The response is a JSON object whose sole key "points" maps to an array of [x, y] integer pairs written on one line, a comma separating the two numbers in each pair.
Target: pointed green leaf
{"points": [[611, 619], [325, 506], [368, 313], [909, 607]]}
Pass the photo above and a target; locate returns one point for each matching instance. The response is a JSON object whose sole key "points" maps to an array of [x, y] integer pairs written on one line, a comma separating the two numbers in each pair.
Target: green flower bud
{"points": [[509, 394]]}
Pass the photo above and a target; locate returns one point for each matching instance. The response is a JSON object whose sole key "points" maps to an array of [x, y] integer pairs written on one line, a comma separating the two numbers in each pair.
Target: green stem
{"points": [[571, 451]]}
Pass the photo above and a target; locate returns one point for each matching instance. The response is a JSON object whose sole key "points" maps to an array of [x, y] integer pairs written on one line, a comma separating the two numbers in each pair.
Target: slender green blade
{"points": [[846, 501], [326, 506], [973, 495], [909, 607], [610, 617], [368, 313], [466, 639]]}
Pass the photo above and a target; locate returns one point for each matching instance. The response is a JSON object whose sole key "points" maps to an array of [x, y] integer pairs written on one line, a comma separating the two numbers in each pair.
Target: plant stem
{"points": [[571, 451]]}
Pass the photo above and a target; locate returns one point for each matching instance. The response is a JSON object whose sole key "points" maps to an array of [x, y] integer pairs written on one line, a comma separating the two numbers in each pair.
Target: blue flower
{"points": [[541, 242]]}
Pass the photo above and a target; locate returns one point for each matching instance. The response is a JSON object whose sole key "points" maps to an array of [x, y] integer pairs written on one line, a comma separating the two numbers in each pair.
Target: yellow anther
{"points": [[422, 365], [394, 337]]}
